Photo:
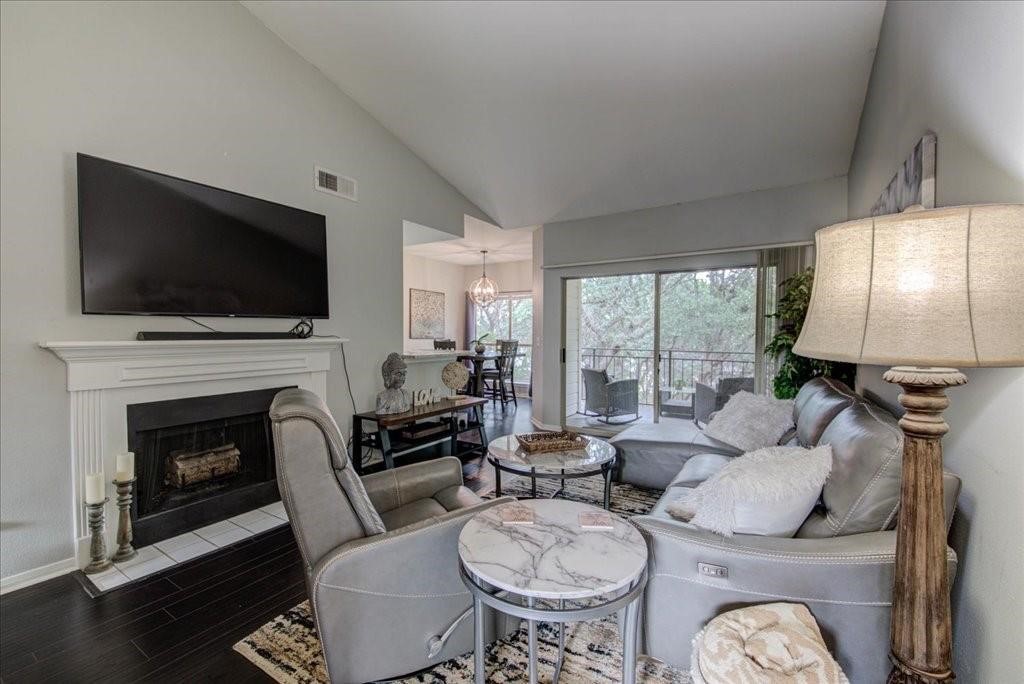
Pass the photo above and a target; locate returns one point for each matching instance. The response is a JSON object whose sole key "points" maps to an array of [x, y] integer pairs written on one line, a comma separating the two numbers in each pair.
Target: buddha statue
{"points": [[393, 399]]}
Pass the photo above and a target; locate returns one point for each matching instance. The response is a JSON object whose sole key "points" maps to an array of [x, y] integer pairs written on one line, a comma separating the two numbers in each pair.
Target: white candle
{"points": [[125, 466], [94, 493]]}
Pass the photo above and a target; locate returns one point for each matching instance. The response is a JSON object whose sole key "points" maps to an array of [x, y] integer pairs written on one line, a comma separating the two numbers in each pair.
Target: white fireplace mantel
{"points": [[105, 377]]}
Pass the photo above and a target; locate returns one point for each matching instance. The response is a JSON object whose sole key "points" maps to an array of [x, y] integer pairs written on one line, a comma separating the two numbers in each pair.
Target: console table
{"points": [[398, 434]]}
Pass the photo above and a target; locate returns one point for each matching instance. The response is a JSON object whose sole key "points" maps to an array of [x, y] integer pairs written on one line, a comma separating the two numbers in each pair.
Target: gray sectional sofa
{"points": [[839, 564]]}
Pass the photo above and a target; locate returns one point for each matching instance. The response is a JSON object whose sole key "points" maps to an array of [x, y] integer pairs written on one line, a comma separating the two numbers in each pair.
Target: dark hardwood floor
{"points": [[177, 625]]}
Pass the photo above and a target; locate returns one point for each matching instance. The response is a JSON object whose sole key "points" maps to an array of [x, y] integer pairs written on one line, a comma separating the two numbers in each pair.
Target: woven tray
{"points": [[540, 442]]}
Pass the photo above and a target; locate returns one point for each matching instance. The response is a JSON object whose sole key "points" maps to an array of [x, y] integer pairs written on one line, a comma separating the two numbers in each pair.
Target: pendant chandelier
{"points": [[483, 290]]}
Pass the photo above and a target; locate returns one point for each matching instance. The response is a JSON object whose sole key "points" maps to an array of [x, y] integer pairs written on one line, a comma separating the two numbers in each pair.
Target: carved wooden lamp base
{"points": [[921, 630]]}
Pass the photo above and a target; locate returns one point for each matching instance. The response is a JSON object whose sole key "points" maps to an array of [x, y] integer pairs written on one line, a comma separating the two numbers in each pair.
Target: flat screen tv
{"points": [[153, 244]]}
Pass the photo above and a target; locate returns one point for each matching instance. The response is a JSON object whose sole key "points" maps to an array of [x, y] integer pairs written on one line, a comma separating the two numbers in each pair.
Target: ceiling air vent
{"points": [[333, 184]]}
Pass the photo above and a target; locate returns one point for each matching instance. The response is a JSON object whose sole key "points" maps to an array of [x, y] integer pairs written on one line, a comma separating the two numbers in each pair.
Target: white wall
{"points": [[537, 278], [958, 69], [197, 90], [440, 276], [766, 217], [511, 276]]}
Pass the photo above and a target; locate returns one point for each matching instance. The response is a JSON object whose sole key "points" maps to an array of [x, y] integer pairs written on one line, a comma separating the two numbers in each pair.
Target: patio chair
{"points": [[608, 398], [707, 399]]}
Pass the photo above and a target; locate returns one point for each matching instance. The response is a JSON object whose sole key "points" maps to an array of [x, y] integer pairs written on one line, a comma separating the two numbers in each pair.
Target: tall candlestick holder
{"points": [[124, 521], [98, 561]]}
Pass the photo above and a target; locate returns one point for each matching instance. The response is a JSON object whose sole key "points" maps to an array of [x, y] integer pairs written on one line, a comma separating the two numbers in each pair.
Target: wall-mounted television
{"points": [[153, 244]]}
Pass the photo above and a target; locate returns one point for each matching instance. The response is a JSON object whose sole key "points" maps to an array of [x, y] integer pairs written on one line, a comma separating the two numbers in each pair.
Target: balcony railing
{"points": [[680, 368]]}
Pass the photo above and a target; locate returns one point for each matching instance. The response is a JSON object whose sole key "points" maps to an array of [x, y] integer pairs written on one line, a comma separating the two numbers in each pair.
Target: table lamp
{"points": [[927, 292]]}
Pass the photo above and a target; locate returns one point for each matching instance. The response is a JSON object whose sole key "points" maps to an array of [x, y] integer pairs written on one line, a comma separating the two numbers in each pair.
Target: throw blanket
{"points": [[771, 644]]}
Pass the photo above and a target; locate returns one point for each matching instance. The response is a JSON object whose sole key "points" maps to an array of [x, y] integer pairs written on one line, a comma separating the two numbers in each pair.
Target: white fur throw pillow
{"points": [[768, 492], [751, 421]]}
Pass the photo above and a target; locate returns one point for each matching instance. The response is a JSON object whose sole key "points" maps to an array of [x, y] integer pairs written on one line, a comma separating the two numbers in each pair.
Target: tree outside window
{"points": [[510, 317]]}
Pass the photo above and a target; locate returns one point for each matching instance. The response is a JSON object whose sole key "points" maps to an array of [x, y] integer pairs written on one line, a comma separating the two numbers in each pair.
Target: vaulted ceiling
{"points": [[549, 111]]}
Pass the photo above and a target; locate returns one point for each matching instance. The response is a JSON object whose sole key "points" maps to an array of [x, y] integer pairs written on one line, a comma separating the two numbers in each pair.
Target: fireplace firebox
{"points": [[199, 460]]}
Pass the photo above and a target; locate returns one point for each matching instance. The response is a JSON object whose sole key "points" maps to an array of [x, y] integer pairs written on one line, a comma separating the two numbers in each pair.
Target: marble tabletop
{"points": [[554, 558], [507, 450]]}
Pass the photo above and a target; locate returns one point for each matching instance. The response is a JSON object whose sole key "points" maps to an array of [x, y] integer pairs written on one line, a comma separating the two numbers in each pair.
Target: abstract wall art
{"points": [[426, 314], [914, 182]]}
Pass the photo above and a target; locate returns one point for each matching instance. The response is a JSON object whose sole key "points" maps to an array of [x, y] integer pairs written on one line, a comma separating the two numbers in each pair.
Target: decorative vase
{"points": [[479, 348]]}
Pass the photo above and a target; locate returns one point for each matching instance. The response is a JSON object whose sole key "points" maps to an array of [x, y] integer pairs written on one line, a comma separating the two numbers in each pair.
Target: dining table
{"points": [[479, 361]]}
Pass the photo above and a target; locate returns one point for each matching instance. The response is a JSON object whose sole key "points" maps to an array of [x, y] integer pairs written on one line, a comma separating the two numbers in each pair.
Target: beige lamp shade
{"points": [[942, 287]]}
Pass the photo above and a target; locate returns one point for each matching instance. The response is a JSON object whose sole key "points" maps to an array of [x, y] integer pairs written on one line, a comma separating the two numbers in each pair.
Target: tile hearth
{"points": [[169, 552]]}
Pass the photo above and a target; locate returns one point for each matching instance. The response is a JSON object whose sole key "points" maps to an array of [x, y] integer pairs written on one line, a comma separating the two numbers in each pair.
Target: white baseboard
{"points": [[544, 426], [36, 575]]}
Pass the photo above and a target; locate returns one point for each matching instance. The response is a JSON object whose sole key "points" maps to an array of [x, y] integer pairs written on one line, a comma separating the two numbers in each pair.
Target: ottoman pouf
{"points": [[771, 643]]}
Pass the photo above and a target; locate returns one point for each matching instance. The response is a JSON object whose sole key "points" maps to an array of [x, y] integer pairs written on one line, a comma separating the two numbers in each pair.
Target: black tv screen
{"points": [[155, 244]]}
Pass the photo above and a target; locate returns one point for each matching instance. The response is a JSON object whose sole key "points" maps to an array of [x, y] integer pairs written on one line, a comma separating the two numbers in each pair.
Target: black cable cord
{"points": [[201, 325], [304, 329]]}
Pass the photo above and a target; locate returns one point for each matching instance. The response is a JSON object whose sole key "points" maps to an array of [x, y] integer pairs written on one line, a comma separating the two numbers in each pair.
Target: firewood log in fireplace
{"points": [[191, 467]]}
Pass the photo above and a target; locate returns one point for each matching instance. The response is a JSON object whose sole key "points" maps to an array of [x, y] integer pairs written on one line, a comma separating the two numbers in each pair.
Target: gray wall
{"points": [[781, 215], [198, 90], [787, 214], [958, 69]]}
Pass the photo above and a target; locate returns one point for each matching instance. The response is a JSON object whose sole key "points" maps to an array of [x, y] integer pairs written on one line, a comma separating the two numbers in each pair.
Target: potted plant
{"points": [[794, 370], [478, 343]]}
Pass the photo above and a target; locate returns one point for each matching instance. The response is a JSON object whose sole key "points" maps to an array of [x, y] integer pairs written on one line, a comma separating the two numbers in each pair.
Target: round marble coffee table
{"points": [[597, 458], [530, 571]]}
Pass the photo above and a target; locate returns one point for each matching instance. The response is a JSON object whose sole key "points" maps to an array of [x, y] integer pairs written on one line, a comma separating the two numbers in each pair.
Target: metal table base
{"points": [[605, 471], [628, 601]]}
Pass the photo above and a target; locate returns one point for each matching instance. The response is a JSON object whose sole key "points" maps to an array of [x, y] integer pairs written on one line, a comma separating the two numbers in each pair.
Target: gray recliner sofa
{"points": [[651, 454], [839, 564], [380, 553]]}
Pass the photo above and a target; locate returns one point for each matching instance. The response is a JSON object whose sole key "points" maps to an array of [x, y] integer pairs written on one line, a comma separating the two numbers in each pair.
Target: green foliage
{"points": [[794, 370], [700, 311], [480, 340]]}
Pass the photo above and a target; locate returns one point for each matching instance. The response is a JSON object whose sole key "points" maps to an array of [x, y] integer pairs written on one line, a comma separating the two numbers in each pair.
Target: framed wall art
{"points": [[426, 314]]}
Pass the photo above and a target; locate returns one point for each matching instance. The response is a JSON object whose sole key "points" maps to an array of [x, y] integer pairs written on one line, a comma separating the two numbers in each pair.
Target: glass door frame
{"points": [[658, 275]]}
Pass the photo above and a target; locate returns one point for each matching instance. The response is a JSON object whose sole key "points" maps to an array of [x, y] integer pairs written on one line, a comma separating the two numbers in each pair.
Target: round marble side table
{"points": [[530, 571], [597, 458]]}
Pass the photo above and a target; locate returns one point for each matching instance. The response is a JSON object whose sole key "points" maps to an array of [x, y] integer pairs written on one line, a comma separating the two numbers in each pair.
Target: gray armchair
{"points": [[707, 399], [380, 553], [610, 398], [839, 564]]}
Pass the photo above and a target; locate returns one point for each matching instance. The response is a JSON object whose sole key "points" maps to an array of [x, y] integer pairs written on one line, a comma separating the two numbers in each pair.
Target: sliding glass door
{"points": [[707, 330], [669, 331]]}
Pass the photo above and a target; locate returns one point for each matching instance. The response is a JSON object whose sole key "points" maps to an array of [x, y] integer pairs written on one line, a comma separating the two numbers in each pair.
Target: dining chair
{"points": [[502, 377]]}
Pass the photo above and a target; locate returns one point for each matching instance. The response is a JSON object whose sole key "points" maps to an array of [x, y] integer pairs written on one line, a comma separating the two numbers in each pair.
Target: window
{"points": [[510, 317]]}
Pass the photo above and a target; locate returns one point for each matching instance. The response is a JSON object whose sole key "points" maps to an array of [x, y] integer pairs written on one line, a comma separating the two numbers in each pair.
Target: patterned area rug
{"points": [[287, 648]]}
